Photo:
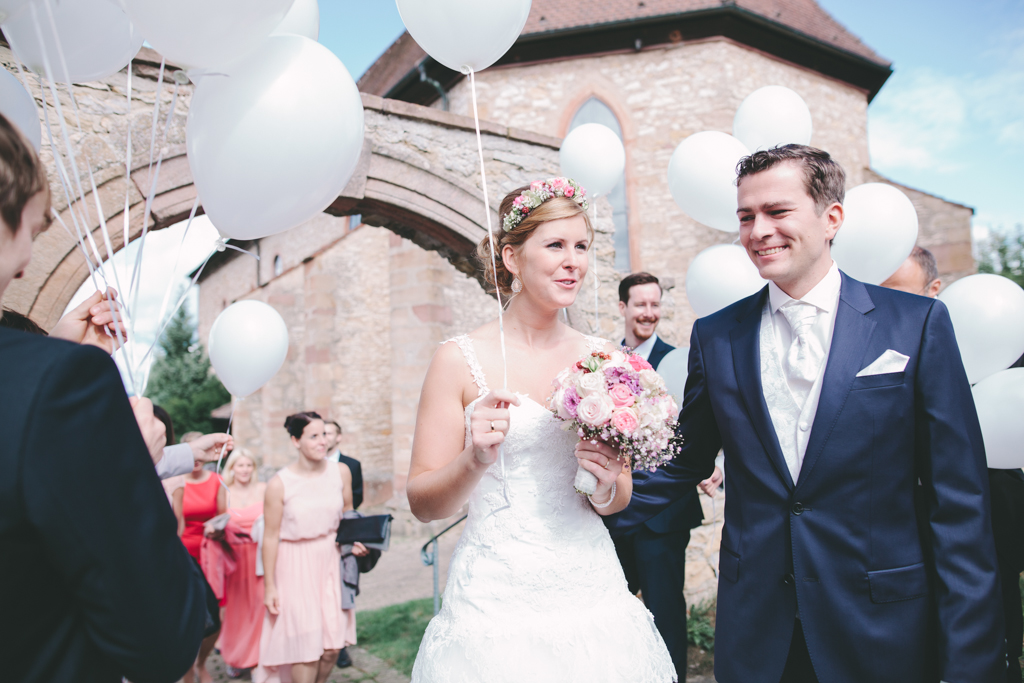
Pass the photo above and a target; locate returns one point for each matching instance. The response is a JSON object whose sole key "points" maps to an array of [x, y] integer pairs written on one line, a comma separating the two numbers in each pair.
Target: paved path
{"points": [[365, 669]]}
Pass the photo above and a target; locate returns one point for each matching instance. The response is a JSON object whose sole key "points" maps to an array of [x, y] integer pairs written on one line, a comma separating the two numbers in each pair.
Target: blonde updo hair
{"points": [[553, 209], [229, 467]]}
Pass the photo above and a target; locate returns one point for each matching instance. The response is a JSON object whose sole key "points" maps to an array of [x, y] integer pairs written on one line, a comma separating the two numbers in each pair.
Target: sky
{"points": [[949, 121]]}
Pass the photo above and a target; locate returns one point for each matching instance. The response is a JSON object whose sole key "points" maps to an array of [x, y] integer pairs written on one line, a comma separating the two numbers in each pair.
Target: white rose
{"points": [[659, 411], [592, 382], [651, 380], [595, 410]]}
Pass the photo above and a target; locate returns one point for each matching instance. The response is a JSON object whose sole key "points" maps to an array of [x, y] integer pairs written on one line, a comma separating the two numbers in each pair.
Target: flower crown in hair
{"points": [[540, 191]]}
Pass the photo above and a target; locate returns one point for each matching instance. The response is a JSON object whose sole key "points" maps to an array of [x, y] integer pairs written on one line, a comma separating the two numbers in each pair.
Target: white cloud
{"points": [[924, 119]]}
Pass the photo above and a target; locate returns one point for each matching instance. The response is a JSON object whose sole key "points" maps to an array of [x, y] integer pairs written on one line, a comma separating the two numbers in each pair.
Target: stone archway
{"points": [[418, 176]]}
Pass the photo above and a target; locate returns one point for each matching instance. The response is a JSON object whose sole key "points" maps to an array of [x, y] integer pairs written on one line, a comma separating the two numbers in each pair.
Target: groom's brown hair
{"points": [[824, 179]]}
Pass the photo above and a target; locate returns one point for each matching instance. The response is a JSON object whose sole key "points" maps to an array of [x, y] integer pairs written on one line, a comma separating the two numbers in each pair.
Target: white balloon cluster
{"points": [[987, 312]]}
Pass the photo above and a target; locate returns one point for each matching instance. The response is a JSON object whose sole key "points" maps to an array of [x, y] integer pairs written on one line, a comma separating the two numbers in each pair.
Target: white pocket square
{"points": [[890, 361]]}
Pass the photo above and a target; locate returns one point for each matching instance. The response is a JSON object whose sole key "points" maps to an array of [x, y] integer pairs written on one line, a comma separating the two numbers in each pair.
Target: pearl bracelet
{"points": [[603, 505]]}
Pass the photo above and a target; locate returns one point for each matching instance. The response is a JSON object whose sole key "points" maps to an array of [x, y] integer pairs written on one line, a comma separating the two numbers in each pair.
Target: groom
{"points": [[832, 399]]}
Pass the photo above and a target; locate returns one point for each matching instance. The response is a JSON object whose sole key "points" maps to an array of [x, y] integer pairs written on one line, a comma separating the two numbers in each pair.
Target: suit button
{"points": [[798, 508], [789, 579], [804, 426]]}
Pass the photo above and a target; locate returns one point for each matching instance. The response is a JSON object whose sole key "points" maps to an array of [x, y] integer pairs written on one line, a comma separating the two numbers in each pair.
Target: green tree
{"points": [[181, 380], [1003, 254]]}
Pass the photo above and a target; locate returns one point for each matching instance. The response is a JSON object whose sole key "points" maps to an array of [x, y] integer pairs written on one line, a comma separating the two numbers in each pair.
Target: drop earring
{"points": [[517, 286]]}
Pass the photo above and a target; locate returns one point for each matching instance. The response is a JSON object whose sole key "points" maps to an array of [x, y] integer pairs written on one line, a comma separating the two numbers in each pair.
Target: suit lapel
{"points": [[850, 338], [746, 358]]}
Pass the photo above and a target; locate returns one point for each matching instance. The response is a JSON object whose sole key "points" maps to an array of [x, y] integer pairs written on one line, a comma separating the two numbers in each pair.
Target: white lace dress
{"points": [[535, 591]]}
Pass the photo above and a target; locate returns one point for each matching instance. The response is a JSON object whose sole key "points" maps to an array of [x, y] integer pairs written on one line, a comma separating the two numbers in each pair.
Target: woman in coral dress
{"points": [[243, 591], [304, 626]]}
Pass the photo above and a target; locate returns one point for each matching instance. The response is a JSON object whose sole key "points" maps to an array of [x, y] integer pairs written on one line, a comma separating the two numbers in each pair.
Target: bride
{"points": [[535, 591]]}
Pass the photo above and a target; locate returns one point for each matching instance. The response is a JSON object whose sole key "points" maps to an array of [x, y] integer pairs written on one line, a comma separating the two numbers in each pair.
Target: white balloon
{"points": [[878, 234], [9, 9], [999, 400], [303, 19], [719, 276], [19, 107], [674, 368], [772, 116], [205, 33], [702, 178], [465, 34], [988, 318], [274, 143], [248, 344], [593, 156], [96, 38]]}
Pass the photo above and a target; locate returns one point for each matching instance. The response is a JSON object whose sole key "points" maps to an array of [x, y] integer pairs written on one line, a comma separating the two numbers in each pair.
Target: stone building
{"points": [[371, 287]]}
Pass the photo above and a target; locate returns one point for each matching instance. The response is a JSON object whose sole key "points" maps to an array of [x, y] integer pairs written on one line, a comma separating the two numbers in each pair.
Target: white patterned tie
{"points": [[805, 354]]}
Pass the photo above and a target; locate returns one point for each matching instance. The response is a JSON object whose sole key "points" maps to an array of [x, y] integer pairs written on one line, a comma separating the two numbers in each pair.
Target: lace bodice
{"points": [[535, 591]]}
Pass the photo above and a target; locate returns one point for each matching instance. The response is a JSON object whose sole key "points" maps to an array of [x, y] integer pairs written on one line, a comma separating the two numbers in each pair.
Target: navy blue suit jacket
{"points": [[95, 584], [885, 593]]}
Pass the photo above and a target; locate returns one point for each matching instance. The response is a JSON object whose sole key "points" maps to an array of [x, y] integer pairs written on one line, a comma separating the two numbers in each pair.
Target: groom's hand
{"points": [[489, 424]]}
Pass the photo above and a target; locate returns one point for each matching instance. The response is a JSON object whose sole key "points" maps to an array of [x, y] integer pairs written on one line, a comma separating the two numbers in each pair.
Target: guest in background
{"points": [[919, 274], [243, 591], [200, 499], [333, 431], [334, 454], [653, 558], [304, 626]]}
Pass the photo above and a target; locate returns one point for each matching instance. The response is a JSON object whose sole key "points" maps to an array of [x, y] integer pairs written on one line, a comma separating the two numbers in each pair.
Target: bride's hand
{"points": [[489, 424], [604, 462]]}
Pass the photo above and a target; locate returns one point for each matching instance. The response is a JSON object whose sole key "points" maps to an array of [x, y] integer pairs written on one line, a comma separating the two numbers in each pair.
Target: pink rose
{"points": [[557, 183], [595, 410], [622, 397], [624, 420], [638, 363], [536, 185], [569, 191]]}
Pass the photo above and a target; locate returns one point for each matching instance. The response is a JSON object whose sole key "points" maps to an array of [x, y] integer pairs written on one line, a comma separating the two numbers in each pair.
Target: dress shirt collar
{"points": [[644, 349], [824, 295]]}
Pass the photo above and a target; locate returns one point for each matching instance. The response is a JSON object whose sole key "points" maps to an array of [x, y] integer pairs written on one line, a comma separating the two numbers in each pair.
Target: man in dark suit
{"points": [[95, 583], [333, 430], [653, 556], [831, 399]]}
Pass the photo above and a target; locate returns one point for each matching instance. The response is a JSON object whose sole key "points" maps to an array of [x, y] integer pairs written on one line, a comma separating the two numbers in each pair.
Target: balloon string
{"points": [[65, 180], [597, 281], [494, 269], [231, 418]]}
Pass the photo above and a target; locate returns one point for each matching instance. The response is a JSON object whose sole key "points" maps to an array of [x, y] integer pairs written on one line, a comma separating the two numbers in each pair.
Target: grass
{"points": [[394, 633], [700, 626]]}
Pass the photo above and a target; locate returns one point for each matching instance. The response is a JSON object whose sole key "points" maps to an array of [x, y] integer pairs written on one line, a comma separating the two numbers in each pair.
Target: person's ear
{"points": [[834, 217], [508, 257], [622, 308], [933, 288]]}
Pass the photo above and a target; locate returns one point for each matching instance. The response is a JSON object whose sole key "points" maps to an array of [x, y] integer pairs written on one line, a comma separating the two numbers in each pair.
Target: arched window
{"points": [[596, 111]]}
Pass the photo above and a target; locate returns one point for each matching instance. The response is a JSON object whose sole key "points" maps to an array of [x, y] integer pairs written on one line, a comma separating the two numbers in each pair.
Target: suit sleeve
{"points": [[93, 496], [951, 462], [701, 441]]}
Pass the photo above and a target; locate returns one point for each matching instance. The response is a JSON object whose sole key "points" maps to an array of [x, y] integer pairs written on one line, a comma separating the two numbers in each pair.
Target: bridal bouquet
{"points": [[619, 399]]}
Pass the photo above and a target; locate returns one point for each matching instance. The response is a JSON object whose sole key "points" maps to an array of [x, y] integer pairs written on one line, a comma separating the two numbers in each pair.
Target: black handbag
{"points": [[373, 531]]}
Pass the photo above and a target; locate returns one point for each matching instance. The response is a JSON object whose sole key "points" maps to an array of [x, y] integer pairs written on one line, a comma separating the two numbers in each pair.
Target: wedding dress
{"points": [[535, 591]]}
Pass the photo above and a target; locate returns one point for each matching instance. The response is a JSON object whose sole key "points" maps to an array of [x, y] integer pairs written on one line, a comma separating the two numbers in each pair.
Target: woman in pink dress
{"points": [[243, 591], [304, 626]]}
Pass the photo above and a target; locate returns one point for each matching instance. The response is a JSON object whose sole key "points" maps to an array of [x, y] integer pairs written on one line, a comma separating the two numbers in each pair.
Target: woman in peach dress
{"points": [[304, 626], [243, 591]]}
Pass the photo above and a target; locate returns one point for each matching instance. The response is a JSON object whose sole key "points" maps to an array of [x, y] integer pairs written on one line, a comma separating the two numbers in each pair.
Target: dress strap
{"points": [[465, 344]]}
